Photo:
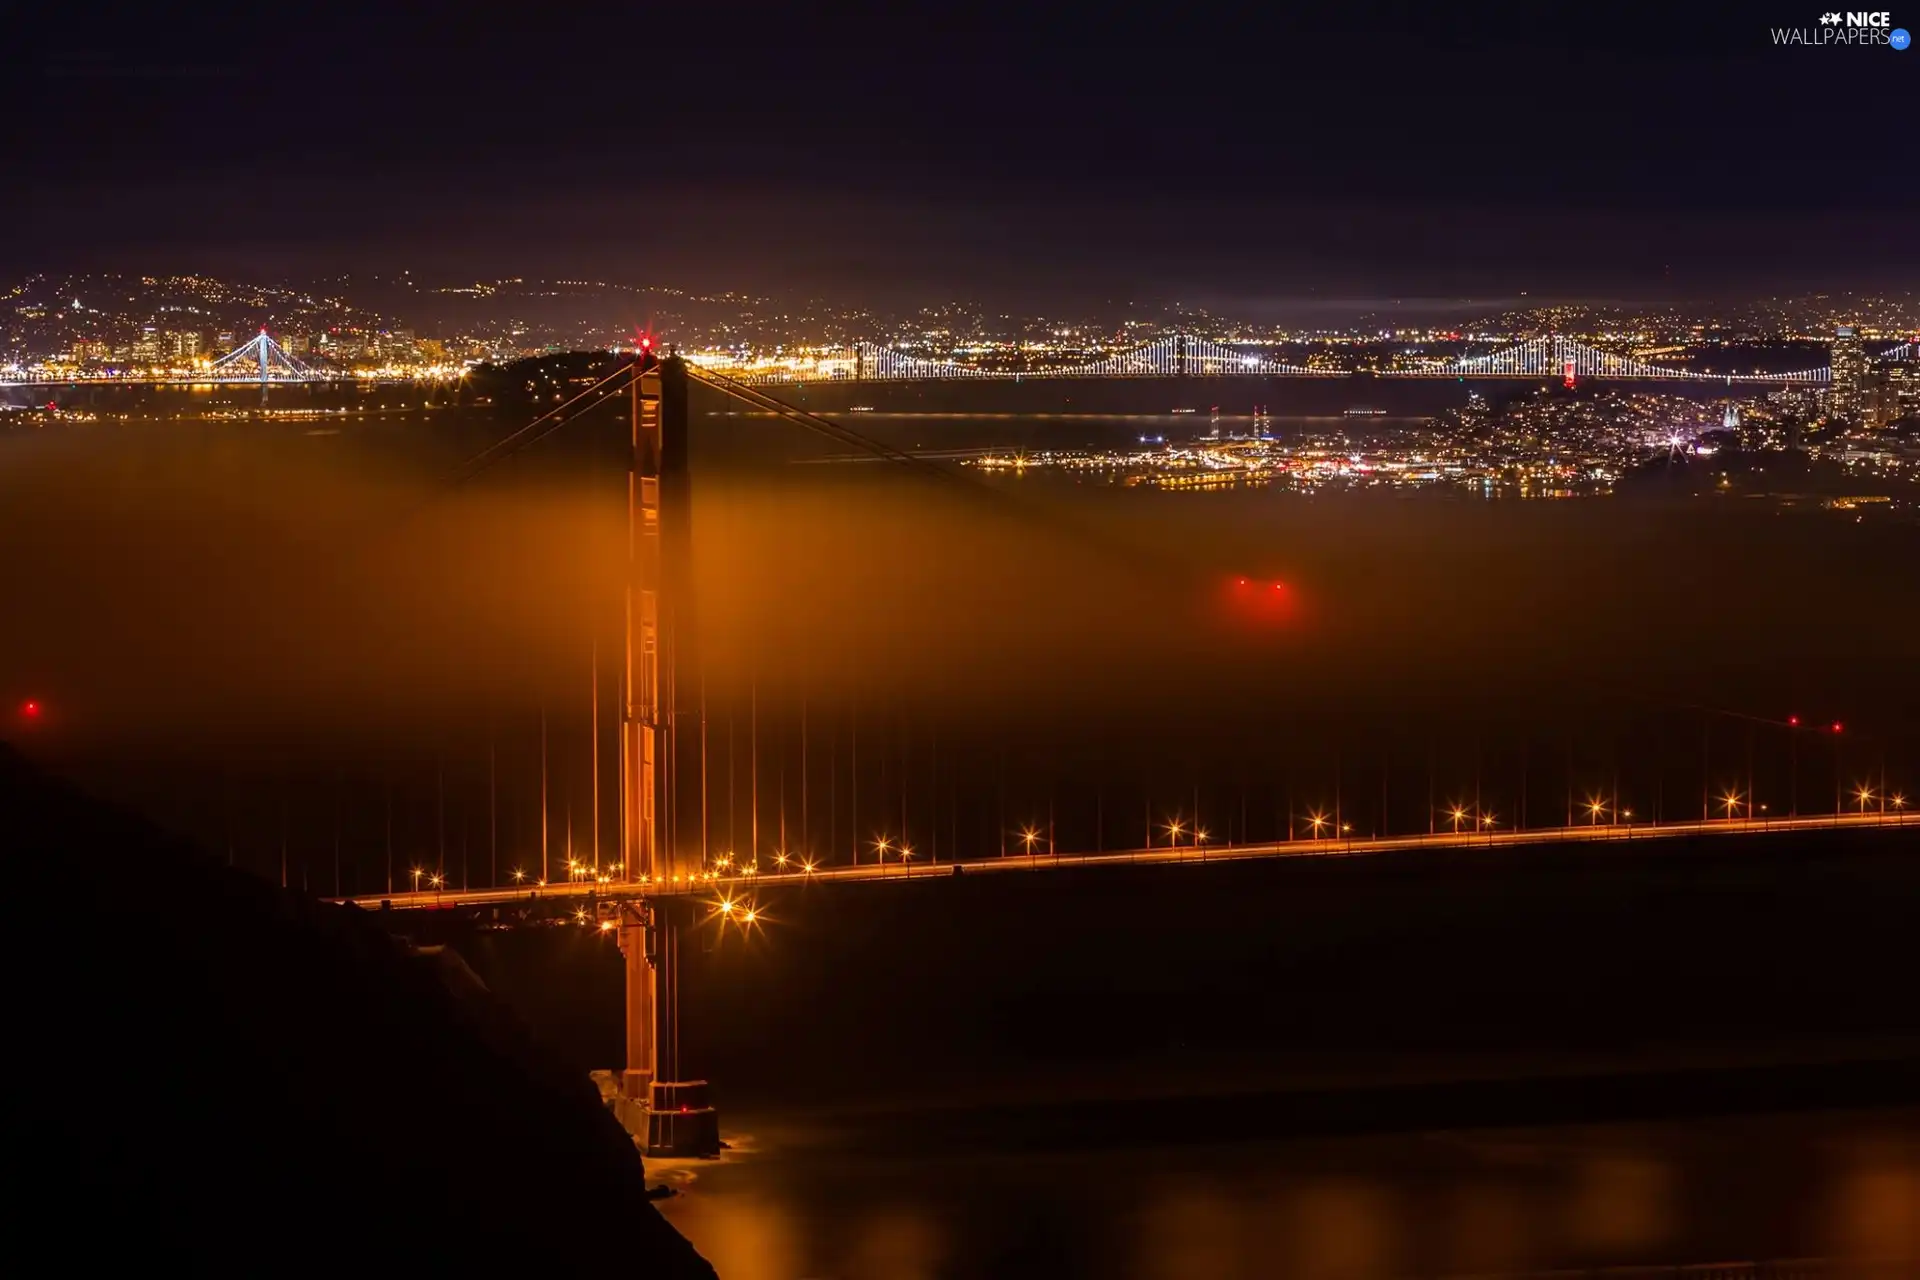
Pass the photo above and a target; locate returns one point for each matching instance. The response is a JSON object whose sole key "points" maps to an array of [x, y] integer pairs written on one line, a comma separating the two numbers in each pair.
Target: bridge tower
{"points": [[1180, 354], [673, 1114]]}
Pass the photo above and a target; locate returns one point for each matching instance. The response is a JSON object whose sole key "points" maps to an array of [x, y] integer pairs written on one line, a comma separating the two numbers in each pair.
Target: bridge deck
{"points": [[1183, 854]]}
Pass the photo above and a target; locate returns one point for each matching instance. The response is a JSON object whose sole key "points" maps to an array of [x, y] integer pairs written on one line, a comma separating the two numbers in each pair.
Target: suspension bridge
{"points": [[667, 883], [1187, 355]]}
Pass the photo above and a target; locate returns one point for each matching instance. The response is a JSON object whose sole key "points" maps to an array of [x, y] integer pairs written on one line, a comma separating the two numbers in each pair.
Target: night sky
{"points": [[1211, 155]]}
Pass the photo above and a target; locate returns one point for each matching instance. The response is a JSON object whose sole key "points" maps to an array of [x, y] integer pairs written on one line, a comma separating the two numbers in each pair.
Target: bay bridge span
{"points": [[265, 361], [1181, 355]]}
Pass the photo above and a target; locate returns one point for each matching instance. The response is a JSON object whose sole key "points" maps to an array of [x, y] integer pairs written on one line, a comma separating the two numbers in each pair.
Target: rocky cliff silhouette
{"points": [[227, 1075]]}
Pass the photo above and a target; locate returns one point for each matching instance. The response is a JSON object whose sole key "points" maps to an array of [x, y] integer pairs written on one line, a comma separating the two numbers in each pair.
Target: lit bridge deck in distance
{"points": [[1348, 846]]}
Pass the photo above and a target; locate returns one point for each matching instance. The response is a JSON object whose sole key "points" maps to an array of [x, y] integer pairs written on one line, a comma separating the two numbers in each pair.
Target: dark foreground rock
{"points": [[224, 1075]]}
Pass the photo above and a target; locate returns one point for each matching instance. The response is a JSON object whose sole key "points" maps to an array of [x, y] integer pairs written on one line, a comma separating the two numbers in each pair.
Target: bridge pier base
{"points": [[670, 1117]]}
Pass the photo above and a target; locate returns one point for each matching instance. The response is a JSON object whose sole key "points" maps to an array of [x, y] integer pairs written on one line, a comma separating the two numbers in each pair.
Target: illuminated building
{"points": [[180, 344], [1903, 387], [1884, 396], [1849, 372]]}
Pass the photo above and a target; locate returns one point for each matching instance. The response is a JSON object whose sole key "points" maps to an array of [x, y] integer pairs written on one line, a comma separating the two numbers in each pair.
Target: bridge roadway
{"points": [[1321, 847]]}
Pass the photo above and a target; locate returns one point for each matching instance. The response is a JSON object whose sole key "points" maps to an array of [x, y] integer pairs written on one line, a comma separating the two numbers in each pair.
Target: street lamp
{"points": [[1732, 802], [1458, 814], [880, 848], [1316, 822], [1863, 794], [1595, 807], [417, 873], [1175, 829]]}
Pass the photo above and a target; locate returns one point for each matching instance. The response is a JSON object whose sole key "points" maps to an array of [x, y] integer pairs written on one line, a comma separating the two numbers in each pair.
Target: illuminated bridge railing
{"points": [[1184, 355]]}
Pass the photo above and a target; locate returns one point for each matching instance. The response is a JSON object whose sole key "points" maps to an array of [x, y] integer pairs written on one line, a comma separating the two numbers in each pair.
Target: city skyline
{"points": [[95, 319]]}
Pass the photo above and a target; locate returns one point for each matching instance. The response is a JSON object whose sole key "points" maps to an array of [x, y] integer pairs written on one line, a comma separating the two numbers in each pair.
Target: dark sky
{"points": [[1302, 152]]}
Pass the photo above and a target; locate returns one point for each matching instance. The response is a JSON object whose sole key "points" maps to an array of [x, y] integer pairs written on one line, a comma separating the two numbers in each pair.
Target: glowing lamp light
{"points": [[30, 710], [1837, 727]]}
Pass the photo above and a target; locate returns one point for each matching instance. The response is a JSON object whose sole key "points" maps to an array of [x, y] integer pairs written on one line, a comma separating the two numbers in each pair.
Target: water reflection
{"points": [[1840, 1187]]}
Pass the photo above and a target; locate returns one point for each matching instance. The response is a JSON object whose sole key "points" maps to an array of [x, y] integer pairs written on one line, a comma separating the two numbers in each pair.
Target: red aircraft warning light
{"points": [[1793, 721], [1836, 726], [30, 710]]}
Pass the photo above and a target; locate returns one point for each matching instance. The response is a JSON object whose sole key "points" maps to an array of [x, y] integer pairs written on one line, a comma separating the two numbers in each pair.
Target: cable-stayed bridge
{"points": [[1188, 355], [261, 360]]}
